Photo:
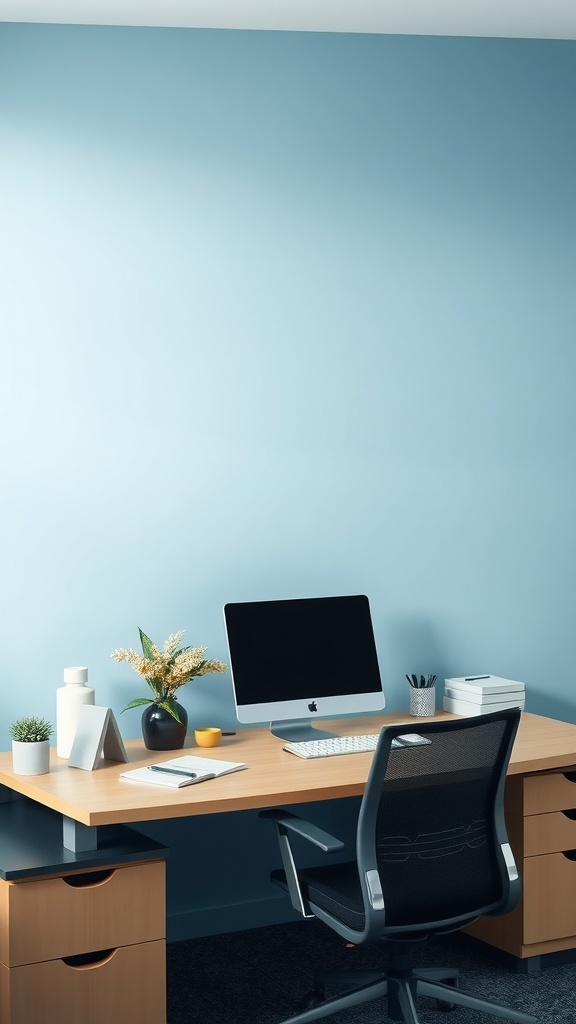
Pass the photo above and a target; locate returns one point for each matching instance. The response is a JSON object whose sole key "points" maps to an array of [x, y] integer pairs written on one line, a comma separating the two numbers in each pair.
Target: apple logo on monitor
{"points": [[312, 706]]}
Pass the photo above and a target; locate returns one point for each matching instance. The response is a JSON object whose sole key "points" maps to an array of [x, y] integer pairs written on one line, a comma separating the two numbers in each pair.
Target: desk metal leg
{"points": [[530, 965], [75, 836], [78, 837]]}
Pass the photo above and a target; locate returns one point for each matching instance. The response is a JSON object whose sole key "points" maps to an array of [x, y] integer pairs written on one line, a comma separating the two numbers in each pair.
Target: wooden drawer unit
{"points": [[555, 791], [549, 859], [82, 935], [115, 986], [549, 898], [549, 833], [77, 947], [541, 821], [49, 918]]}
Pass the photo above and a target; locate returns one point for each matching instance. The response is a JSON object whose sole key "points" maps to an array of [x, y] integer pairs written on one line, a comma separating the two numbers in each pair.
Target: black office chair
{"points": [[432, 855]]}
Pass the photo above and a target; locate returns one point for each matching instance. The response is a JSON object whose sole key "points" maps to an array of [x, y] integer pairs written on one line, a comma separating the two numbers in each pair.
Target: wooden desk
{"points": [[273, 777], [541, 785]]}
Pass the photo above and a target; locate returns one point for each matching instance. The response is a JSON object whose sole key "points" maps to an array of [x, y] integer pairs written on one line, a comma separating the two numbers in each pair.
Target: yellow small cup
{"points": [[208, 737]]}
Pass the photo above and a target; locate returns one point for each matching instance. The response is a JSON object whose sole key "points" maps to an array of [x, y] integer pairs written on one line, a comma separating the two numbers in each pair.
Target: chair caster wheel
{"points": [[444, 1006], [312, 999]]}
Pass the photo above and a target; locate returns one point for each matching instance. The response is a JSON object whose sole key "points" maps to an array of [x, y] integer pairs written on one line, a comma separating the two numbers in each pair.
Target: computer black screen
{"points": [[302, 658]]}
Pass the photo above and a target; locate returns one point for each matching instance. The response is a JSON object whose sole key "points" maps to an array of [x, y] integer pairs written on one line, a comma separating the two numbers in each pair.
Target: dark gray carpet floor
{"points": [[259, 977]]}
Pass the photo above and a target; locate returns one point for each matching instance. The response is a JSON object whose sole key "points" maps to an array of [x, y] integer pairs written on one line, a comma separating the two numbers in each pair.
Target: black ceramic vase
{"points": [[161, 731]]}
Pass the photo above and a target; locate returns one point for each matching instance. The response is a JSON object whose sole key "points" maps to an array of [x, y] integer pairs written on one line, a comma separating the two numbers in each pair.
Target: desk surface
{"points": [[273, 777]]}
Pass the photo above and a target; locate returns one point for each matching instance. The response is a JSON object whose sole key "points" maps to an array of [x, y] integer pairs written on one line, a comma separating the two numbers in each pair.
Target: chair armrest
{"points": [[285, 820]]}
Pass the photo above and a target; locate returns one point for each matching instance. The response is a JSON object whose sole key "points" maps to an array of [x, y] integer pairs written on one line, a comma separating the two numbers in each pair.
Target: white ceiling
{"points": [[540, 19]]}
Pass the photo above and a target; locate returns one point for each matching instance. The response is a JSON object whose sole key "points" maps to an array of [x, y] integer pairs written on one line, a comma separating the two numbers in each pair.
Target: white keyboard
{"points": [[349, 744]]}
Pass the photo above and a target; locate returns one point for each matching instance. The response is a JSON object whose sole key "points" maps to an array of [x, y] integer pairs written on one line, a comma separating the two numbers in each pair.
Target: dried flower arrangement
{"points": [[167, 669]]}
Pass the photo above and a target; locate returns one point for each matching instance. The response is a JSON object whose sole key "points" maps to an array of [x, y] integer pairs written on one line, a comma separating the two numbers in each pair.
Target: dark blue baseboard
{"points": [[191, 924]]}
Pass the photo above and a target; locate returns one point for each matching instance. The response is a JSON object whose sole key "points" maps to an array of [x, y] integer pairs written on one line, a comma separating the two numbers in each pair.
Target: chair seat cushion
{"points": [[334, 888]]}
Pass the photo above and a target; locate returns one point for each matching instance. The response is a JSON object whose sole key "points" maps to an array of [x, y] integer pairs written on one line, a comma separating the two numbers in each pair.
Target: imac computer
{"points": [[294, 661]]}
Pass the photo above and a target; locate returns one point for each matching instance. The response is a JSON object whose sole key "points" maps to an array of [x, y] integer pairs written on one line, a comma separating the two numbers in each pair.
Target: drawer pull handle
{"points": [[570, 814], [89, 878], [571, 776], [83, 960], [569, 854]]}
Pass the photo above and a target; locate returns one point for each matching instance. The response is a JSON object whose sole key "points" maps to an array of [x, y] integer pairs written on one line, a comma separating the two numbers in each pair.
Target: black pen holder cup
{"points": [[422, 701]]}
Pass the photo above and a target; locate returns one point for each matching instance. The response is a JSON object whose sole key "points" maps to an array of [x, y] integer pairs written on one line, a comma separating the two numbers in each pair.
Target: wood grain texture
{"points": [[548, 833], [272, 776], [115, 989], [550, 898], [550, 792], [116, 907]]}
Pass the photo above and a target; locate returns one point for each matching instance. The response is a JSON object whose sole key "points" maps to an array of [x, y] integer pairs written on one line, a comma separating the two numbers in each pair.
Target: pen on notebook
{"points": [[172, 771], [472, 679]]}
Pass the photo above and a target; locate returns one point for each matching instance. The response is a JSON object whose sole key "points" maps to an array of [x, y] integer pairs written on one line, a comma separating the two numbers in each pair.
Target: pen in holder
{"points": [[422, 695]]}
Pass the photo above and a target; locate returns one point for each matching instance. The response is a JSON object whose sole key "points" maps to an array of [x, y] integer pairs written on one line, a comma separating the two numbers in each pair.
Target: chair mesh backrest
{"points": [[433, 826]]}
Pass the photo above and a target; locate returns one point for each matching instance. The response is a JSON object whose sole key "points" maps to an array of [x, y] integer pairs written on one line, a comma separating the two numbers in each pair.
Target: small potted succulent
{"points": [[31, 745]]}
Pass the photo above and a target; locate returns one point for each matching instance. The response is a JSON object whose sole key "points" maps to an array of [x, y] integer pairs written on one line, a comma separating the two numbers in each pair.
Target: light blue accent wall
{"points": [[285, 315]]}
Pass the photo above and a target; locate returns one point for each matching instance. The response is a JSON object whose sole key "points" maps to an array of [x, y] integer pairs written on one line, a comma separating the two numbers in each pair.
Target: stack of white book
{"points": [[479, 695]]}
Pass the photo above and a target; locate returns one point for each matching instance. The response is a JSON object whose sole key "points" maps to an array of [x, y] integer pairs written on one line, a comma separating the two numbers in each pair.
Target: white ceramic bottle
{"points": [[69, 699]]}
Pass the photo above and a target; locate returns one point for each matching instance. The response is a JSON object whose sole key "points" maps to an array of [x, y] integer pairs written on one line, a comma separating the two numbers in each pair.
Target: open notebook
{"points": [[182, 771]]}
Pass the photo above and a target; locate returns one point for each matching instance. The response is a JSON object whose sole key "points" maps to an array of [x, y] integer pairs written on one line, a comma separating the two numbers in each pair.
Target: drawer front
{"points": [[549, 833], [126, 986], [48, 918], [549, 897], [554, 792]]}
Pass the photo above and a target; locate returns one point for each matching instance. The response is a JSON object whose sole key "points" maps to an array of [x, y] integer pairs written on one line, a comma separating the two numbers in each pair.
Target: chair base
{"points": [[399, 986]]}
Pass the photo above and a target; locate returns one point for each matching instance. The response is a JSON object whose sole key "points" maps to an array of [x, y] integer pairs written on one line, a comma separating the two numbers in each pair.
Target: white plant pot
{"points": [[31, 758]]}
